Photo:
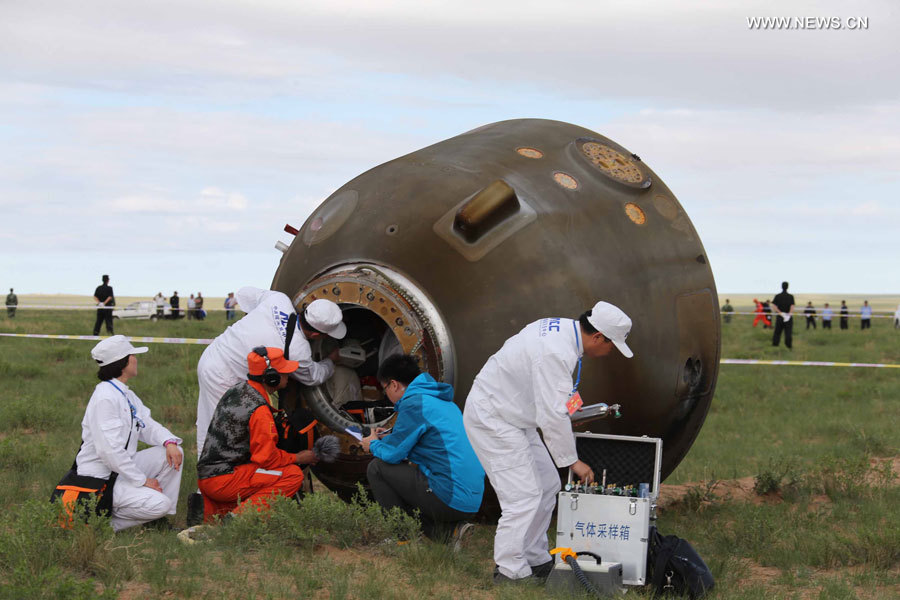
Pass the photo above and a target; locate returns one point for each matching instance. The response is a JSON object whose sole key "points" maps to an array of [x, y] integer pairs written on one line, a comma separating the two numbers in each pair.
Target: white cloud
{"points": [[687, 52], [198, 126], [144, 204], [214, 198], [842, 142]]}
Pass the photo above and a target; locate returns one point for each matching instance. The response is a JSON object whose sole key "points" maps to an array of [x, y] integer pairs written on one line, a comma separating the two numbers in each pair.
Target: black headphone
{"points": [[270, 376]]}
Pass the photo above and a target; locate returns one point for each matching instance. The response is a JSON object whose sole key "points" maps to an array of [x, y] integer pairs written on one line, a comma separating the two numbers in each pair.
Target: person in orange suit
{"points": [[760, 315], [240, 459]]}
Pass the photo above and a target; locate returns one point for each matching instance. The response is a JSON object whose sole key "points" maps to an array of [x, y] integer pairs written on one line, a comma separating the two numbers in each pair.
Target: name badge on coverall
{"points": [[574, 402]]}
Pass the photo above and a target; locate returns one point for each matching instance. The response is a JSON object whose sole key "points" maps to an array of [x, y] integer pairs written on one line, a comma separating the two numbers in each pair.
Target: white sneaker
{"points": [[460, 533]]}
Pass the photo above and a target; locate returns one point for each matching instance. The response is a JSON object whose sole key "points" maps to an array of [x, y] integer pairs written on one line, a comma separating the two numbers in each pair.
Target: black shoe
{"points": [[543, 570], [161, 524], [194, 509]]}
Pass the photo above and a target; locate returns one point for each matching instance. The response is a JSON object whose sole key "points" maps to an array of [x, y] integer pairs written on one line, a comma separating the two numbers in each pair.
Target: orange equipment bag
{"points": [[74, 488]]}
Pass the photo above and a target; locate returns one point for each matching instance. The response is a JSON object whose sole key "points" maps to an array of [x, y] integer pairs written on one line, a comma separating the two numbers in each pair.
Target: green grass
{"points": [[815, 441], [763, 413]]}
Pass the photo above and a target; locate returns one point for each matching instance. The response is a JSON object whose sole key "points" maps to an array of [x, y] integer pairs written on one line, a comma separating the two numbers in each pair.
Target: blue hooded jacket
{"points": [[429, 432]]}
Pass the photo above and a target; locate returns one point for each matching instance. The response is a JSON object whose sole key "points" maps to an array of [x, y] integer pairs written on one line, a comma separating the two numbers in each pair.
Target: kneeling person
{"points": [[446, 481], [146, 485], [240, 459]]}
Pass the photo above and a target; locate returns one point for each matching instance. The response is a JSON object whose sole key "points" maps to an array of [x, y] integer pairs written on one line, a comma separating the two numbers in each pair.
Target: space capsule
{"points": [[448, 251]]}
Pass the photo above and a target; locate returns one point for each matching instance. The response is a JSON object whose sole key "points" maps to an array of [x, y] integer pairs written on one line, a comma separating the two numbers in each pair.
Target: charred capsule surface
{"points": [[450, 250]]}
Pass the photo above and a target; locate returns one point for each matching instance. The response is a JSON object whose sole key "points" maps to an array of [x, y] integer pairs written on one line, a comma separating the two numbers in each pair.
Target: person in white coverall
{"points": [[528, 385], [223, 364], [148, 481]]}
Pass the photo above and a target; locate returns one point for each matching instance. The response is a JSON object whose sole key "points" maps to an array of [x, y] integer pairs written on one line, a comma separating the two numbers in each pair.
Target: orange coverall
{"points": [[271, 471], [760, 315]]}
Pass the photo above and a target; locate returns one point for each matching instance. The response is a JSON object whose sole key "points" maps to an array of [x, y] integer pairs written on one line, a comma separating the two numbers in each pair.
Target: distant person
{"points": [[115, 420], [230, 304], [727, 310], [160, 301], [845, 314], [425, 463], [810, 312], [865, 316], [12, 301], [191, 307], [240, 462], [897, 318], [784, 302], [827, 315], [767, 310], [760, 315], [105, 300], [198, 307], [174, 302]]}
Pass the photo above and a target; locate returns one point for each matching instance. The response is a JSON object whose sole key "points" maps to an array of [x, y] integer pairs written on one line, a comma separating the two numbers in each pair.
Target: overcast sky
{"points": [[167, 143]]}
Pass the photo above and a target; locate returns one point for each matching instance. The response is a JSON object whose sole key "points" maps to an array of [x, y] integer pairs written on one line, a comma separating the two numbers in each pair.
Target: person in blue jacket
{"points": [[425, 462]]}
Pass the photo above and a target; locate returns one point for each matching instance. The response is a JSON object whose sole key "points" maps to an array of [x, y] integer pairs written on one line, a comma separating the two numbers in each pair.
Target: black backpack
{"points": [[296, 430], [675, 568]]}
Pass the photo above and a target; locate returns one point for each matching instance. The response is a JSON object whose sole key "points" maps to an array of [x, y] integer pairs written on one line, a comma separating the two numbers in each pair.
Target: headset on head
{"points": [[270, 376]]}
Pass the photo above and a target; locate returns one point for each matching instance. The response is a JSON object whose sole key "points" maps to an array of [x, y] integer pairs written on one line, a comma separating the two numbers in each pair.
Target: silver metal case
{"points": [[606, 577], [614, 527]]}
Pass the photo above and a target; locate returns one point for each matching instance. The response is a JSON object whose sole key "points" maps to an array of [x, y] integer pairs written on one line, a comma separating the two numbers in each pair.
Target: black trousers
{"points": [[865, 323], [844, 322], [788, 329], [811, 321], [826, 324], [404, 485], [103, 315]]}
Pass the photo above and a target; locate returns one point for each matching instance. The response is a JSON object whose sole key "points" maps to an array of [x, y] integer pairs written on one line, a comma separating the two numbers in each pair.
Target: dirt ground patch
{"points": [[741, 490]]}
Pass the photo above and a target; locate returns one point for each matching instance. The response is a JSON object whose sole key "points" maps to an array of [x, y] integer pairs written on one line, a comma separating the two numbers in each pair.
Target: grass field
{"points": [[789, 492]]}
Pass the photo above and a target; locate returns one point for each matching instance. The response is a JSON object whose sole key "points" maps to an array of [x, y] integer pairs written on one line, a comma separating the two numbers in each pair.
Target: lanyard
{"points": [[134, 415], [577, 348]]}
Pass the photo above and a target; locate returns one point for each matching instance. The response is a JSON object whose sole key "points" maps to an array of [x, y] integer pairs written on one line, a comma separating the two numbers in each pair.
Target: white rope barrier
{"points": [[97, 338], [799, 315], [801, 363], [207, 341], [95, 307]]}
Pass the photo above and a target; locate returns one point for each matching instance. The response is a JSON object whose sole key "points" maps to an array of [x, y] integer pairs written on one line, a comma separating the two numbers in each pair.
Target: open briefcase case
{"points": [[613, 522]]}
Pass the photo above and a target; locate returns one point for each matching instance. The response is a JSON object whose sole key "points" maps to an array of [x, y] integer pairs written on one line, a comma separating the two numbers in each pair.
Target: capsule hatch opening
{"points": [[354, 391], [385, 313]]}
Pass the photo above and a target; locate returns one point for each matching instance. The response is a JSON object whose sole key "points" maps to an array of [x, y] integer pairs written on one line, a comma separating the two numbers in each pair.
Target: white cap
{"points": [[114, 348], [326, 316], [613, 323]]}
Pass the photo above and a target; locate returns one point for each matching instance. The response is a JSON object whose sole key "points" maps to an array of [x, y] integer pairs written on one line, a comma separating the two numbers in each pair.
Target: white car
{"points": [[145, 309]]}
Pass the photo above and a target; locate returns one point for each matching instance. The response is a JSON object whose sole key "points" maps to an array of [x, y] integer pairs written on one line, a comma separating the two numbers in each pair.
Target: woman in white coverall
{"points": [[146, 488], [527, 385], [223, 364]]}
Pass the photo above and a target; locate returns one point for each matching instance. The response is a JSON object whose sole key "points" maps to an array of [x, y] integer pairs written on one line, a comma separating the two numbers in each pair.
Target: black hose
{"points": [[582, 578]]}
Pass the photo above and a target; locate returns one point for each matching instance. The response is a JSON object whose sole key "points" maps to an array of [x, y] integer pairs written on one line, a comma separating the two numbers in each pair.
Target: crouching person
{"points": [[426, 462], [240, 460], [144, 484]]}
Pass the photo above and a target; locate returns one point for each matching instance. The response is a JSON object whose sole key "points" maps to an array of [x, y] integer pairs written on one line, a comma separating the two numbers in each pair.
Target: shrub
{"points": [[779, 476], [700, 495], [319, 518], [38, 558]]}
